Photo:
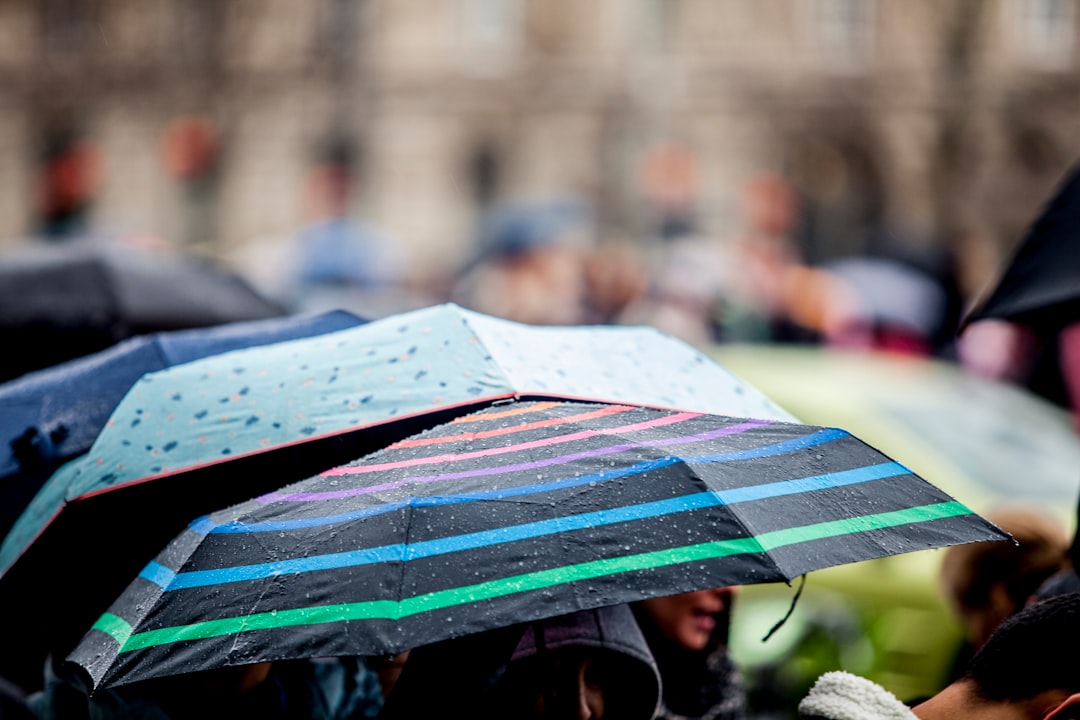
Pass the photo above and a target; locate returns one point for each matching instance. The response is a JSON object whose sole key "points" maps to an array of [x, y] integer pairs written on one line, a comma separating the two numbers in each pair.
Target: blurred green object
{"points": [[986, 443]]}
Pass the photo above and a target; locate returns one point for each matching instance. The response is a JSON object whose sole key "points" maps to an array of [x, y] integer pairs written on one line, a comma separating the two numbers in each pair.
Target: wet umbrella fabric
{"points": [[217, 431], [50, 416], [58, 303], [514, 513], [1040, 287]]}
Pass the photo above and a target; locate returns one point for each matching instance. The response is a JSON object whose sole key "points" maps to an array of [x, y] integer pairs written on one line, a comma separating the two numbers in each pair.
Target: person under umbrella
{"points": [[687, 634], [1019, 674], [589, 664]]}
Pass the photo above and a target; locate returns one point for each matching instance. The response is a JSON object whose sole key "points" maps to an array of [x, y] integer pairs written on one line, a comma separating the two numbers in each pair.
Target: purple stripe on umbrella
{"points": [[536, 464]]}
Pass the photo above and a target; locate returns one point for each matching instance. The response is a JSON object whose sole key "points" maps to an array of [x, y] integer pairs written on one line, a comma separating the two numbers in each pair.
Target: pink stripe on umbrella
{"points": [[519, 467]]}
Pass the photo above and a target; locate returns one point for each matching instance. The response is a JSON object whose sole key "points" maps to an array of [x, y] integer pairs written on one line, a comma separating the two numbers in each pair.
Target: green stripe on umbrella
{"points": [[120, 630]]}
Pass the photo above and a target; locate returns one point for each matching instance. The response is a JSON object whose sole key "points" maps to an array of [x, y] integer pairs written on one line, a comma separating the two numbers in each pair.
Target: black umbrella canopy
{"points": [[516, 513], [59, 302], [1040, 286]]}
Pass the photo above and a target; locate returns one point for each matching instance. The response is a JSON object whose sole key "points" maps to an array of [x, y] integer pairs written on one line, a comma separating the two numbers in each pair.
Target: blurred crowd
{"points": [[549, 262]]}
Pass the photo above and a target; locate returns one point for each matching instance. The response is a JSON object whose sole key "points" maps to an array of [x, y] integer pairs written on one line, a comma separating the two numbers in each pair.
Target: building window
{"points": [[844, 31], [336, 32], [484, 172], [65, 27], [1047, 32], [491, 25], [197, 32], [657, 24]]}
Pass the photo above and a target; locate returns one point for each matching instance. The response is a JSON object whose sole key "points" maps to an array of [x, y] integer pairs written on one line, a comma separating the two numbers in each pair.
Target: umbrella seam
{"points": [[733, 510]]}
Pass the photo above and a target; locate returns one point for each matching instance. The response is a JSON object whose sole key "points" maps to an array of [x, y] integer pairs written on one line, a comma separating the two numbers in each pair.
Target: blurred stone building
{"points": [[942, 122]]}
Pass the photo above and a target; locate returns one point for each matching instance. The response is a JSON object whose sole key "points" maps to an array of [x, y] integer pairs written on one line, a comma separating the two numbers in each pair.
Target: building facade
{"points": [[941, 123]]}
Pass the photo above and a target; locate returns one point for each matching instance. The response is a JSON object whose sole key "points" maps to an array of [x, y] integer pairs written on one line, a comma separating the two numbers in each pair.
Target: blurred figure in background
{"points": [[616, 277], [985, 583], [683, 296], [884, 304], [191, 149], [68, 182], [687, 270], [766, 278], [530, 266], [1067, 579], [339, 261], [1046, 363]]}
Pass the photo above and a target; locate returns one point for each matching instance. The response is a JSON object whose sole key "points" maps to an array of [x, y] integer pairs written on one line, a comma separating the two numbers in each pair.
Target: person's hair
{"points": [[969, 571], [1024, 656]]}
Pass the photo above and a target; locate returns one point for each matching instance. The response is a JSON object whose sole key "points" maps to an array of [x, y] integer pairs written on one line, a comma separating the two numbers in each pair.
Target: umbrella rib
{"points": [[750, 535], [410, 510]]}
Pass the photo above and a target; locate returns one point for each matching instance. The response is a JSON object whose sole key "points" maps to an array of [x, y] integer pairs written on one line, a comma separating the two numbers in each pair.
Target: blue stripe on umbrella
{"points": [[401, 552]]}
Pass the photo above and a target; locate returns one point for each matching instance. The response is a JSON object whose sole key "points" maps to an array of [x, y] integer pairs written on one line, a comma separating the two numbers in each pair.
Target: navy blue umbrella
{"points": [[50, 416]]}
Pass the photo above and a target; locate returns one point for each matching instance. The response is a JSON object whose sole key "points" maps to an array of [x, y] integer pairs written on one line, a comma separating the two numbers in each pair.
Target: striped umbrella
{"points": [[515, 513]]}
